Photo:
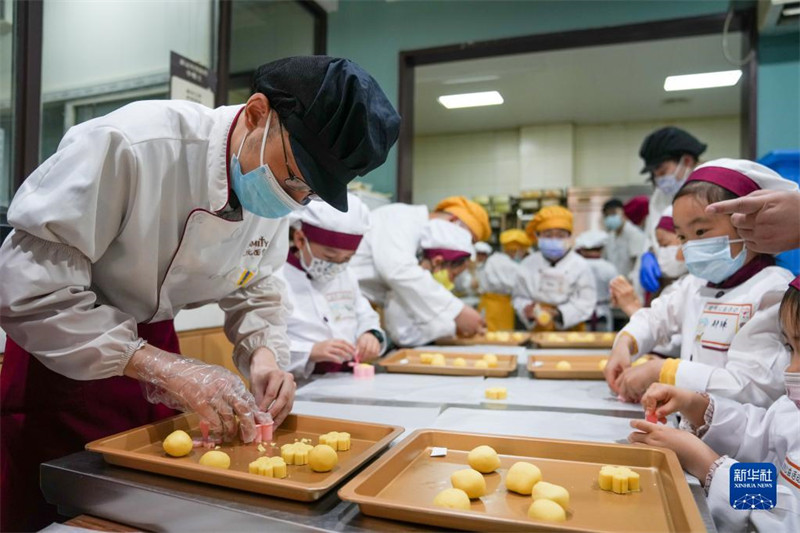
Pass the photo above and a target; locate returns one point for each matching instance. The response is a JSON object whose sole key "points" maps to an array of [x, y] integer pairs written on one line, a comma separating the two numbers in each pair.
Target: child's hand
{"points": [[368, 347], [332, 351], [620, 360], [528, 311], [633, 382], [663, 400], [695, 456], [623, 295]]}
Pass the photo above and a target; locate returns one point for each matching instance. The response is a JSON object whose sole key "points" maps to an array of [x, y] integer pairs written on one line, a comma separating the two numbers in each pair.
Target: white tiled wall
{"points": [[549, 156]]}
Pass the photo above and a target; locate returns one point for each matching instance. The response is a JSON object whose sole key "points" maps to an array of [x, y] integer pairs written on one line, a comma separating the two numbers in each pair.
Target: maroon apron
{"points": [[44, 415]]}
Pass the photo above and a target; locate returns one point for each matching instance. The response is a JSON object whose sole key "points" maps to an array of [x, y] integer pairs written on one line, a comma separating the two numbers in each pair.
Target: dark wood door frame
{"points": [[743, 20]]}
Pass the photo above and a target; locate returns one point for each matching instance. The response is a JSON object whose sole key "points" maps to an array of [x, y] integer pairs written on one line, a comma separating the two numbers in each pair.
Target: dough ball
{"points": [[438, 360], [452, 499], [518, 336], [563, 365], [216, 458], [322, 458], [470, 481], [572, 337], [178, 443], [503, 336], [491, 336], [459, 361], [544, 318], [602, 364], [609, 337], [491, 360], [548, 491], [425, 358], [522, 477], [480, 363], [483, 459], [546, 510]]}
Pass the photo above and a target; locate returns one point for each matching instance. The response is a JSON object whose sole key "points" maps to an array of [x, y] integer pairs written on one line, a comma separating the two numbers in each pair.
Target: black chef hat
{"points": [[340, 123], [668, 143]]}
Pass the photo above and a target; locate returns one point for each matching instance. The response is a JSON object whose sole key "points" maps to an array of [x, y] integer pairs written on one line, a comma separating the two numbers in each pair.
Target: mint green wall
{"points": [[778, 93], [373, 32]]}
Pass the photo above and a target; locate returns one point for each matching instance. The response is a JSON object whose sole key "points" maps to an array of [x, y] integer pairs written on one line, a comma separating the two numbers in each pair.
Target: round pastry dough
{"points": [[522, 477], [178, 443], [547, 510], [548, 491], [470, 481], [483, 459], [480, 363], [459, 361], [452, 499], [216, 458], [563, 365], [491, 360], [322, 458]]}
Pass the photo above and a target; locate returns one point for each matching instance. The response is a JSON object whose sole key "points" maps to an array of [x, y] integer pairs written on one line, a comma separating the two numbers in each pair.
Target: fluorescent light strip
{"points": [[706, 80], [457, 101], [475, 79]]}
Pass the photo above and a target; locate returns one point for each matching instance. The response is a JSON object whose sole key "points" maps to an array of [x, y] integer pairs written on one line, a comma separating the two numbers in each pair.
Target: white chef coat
{"points": [[603, 272], [500, 274], [323, 311], [386, 262], [732, 340], [623, 250], [121, 225], [568, 285], [407, 329], [751, 434]]}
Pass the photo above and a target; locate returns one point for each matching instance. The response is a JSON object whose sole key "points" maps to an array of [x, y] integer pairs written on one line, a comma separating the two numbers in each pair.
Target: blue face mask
{"points": [[710, 259], [613, 222], [258, 190], [553, 249]]}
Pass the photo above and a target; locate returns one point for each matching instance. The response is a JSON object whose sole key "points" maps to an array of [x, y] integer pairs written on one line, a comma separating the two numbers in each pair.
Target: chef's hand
{"points": [[469, 322], [634, 381], [528, 311], [768, 221], [663, 400], [332, 351], [273, 388], [217, 395], [620, 360], [368, 347], [695, 455], [623, 296]]}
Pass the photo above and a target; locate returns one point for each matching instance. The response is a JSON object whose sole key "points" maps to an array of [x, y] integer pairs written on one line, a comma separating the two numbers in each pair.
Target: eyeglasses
{"points": [[295, 183]]}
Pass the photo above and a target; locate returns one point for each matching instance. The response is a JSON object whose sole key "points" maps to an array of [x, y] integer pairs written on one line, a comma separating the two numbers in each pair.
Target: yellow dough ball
{"points": [[425, 358], [640, 361], [602, 364], [438, 360], [459, 361], [544, 318], [178, 443], [555, 337], [480, 363], [470, 481], [548, 491], [518, 336], [452, 499], [483, 459], [608, 337], [322, 458], [572, 337], [491, 360], [546, 510], [491, 336], [503, 336], [522, 477], [216, 458], [563, 365], [619, 479]]}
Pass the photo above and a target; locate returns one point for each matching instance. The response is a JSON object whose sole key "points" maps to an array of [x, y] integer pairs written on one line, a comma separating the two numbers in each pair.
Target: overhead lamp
{"points": [[705, 80], [457, 101]]}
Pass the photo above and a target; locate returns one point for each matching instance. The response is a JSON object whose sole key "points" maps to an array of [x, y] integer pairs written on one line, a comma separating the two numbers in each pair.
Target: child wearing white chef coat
{"points": [[445, 250], [726, 308], [590, 245], [555, 287], [331, 323], [721, 432]]}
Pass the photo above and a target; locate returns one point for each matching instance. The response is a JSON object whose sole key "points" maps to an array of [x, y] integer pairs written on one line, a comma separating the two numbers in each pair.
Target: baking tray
{"points": [[573, 339], [408, 362], [402, 483], [140, 448], [583, 366], [522, 338]]}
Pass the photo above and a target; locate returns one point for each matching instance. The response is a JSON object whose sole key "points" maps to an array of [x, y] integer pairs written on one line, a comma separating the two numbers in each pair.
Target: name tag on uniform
{"points": [[342, 305], [790, 471], [719, 323], [553, 283]]}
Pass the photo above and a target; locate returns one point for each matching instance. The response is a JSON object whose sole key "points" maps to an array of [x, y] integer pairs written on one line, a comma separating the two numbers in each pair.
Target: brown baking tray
{"points": [[518, 338], [583, 366], [140, 448], [573, 339], [402, 483], [408, 362]]}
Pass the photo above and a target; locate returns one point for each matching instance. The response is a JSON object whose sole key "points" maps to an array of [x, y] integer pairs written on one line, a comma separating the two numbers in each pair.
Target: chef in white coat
{"points": [[625, 240], [589, 245], [726, 308], [555, 288], [445, 249], [386, 261], [498, 279], [157, 207], [331, 323]]}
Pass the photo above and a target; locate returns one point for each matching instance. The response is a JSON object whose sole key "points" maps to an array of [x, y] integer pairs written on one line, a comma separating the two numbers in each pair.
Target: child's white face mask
{"points": [[792, 382]]}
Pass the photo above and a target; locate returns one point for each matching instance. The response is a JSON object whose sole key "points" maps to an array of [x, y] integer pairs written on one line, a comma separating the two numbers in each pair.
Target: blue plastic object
{"points": [[787, 164], [650, 272]]}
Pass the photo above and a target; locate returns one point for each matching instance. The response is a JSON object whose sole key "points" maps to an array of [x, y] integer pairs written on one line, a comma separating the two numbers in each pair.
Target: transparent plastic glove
{"points": [[650, 272], [217, 395]]}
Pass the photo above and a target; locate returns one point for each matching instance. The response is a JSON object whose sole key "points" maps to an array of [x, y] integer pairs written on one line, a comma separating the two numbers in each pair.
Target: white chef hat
{"points": [[446, 239], [328, 226], [589, 240], [740, 176], [666, 222], [482, 247]]}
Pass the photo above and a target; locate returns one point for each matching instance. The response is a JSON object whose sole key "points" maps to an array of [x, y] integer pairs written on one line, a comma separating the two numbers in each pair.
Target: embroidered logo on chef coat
{"points": [[245, 277], [790, 471], [553, 283], [257, 247], [719, 323], [342, 305]]}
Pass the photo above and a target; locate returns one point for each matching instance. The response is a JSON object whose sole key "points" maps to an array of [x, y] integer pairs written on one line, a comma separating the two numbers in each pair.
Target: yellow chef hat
{"points": [[550, 217], [515, 237], [470, 213]]}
